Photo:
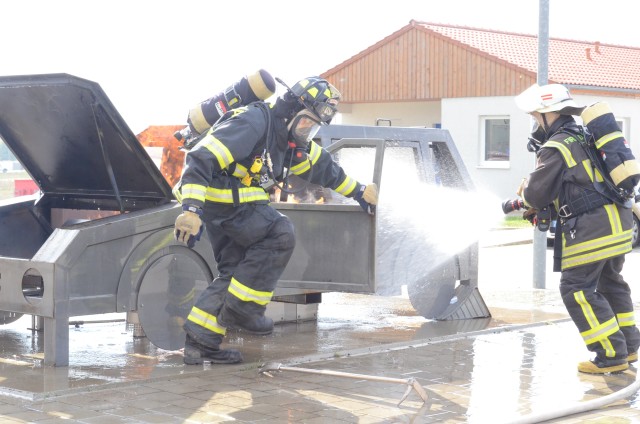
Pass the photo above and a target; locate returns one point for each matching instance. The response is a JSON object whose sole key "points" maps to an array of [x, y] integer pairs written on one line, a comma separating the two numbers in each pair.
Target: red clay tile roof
{"points": [[571, 62]]}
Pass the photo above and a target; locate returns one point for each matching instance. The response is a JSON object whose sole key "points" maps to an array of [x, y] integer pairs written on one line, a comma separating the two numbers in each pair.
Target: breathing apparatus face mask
{"points": [[326, 110], [302, 128], [537, 139]]}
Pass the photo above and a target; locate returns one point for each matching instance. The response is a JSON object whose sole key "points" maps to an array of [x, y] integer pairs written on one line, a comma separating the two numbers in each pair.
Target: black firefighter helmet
{"points": [[318, 96]]}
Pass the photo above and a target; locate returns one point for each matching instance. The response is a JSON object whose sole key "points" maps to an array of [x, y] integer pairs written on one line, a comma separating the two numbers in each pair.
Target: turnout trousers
{"points": [[599, 303], [252, 244]]}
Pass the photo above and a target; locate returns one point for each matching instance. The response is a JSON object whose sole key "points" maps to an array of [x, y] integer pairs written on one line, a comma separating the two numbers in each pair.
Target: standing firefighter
{"points": [[595, 229], [222, 187]]}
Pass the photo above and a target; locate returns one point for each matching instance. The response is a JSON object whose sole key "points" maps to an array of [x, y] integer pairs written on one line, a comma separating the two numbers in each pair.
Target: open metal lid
{"points": [[75, 145]]}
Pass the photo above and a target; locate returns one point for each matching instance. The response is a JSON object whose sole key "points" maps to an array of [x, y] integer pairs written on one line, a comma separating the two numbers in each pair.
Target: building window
{"points": [[622, 124], [494, 143]]}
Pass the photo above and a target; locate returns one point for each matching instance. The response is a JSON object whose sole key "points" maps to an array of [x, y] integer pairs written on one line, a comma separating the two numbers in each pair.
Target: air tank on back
{"points": [[257, 86]]}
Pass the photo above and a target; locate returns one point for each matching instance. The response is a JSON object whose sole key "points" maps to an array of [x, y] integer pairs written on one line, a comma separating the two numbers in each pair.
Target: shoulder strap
{"points": [[265, 110], [268, 138], [607, 187]]}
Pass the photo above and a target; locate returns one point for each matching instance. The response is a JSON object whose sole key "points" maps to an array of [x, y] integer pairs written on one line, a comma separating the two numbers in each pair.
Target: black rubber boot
{"points": [[196, 353], [257, 324]]}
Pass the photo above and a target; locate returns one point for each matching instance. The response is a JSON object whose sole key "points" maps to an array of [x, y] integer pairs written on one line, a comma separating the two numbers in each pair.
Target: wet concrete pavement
{"points": [[521, 360]]}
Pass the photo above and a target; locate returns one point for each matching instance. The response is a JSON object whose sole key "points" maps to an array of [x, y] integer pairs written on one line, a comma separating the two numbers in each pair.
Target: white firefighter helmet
{"points": [[548, 98]]}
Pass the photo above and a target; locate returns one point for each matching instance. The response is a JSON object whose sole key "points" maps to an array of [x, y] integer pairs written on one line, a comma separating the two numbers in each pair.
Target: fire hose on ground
{"points": [[411, 383], [579, 407]]}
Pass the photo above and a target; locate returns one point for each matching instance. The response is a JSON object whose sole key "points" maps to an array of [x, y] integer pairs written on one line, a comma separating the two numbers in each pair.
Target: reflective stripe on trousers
{"points": [[252, 245], [594, 294]]}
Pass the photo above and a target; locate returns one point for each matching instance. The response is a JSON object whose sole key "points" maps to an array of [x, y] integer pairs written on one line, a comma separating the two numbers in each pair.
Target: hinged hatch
{"points": [[75, 145]]}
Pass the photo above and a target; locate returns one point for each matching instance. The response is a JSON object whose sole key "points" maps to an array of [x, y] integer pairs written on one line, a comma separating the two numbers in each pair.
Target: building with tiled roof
{"points": [[464, 80], [578, 63]]}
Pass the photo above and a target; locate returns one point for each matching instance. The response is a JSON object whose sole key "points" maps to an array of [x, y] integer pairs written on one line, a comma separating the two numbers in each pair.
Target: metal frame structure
{"points": [[98, 238]]}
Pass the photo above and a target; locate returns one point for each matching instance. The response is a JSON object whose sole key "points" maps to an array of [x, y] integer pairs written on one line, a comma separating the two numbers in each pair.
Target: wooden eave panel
{"points": [[419, 65]]}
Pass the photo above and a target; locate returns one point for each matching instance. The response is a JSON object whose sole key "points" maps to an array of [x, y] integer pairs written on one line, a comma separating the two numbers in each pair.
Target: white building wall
{"points": [[462, 117], [401, 114]]}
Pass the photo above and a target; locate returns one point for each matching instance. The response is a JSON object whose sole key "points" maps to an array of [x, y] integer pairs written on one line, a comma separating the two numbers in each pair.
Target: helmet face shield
{"points": [[318, 96], [327, 110], [303, 127]]}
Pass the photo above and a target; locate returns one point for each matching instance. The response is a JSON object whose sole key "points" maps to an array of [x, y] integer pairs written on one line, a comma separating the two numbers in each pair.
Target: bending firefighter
{"points": [[595, 229], [224, 189]]}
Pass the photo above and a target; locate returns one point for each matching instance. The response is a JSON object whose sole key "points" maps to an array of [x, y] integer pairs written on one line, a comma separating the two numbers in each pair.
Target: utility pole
{"points": [[540, 237]]}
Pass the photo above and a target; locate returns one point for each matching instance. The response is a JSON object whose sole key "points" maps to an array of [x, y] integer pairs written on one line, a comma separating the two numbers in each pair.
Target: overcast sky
{"points": [[156, 59]]}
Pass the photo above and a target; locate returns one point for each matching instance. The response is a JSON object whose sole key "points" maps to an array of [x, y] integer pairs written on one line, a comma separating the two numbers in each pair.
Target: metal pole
{"points": [[543, 43], [539, 237]]}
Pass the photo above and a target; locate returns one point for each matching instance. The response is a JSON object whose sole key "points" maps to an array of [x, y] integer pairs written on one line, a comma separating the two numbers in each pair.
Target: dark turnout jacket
{"points": [[563, 176], [218, 164]]}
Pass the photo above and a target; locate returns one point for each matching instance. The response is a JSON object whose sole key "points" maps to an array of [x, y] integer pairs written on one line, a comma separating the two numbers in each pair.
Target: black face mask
{"points": [[539, 134], [537, 139]]}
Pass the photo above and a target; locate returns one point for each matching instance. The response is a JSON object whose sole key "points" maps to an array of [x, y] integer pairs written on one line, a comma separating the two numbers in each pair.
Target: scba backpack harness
{"points": [[620, 169], [616, 170]]}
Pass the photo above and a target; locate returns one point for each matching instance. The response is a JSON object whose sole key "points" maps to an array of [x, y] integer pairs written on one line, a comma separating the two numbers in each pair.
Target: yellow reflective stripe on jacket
{"points": [[592, 172], [247, 294], [347, 186], [599, 176], [617, 243], [218, 150], [304, 166], [245, 195], [614, 218], [586, 246], [206, 320], [564, 150], [588, 168], [626, 319], [590, 257], [193, 191], [607, 138], [240, 171]]}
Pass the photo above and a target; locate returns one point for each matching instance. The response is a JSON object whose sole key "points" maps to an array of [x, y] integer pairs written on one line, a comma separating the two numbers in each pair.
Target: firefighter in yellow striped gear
{"points": [[593, 234], [222, 190]]}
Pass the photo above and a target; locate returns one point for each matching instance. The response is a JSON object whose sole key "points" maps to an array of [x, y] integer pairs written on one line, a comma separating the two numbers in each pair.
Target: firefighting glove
{"points": [[367, 197], [188, 226], [530, 215]]}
